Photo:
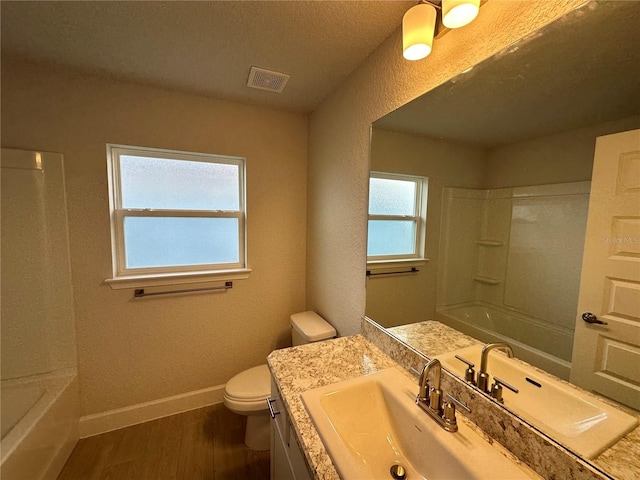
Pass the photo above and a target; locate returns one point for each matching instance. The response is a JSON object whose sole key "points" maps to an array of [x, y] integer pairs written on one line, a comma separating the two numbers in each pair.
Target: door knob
{"points": [[591, 318]]}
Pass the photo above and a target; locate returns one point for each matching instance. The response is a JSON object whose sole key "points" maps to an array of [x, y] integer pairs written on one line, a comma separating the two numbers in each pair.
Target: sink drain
{"points": [[398, 472]]}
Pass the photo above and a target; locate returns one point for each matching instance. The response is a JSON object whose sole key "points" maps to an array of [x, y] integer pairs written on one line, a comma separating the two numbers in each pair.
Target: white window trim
{"points": [[382, 262], [160, 280], [160, 276]]}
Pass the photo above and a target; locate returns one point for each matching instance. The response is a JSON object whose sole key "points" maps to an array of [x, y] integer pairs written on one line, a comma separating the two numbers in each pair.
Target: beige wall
{"points": [[339, 144], [136, 351], [560, 158], [397, 300]]}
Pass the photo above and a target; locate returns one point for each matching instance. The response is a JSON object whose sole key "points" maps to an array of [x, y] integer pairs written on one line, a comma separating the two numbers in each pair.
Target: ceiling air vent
{"points": [[267, 80]]}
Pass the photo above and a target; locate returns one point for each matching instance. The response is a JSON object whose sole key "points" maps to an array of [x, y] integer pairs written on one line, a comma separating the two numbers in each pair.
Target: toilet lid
{"points": [[252, 384]]}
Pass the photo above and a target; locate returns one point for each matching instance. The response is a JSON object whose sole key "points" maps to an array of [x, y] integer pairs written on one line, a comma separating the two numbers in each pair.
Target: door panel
{"points": [[606, 357]]}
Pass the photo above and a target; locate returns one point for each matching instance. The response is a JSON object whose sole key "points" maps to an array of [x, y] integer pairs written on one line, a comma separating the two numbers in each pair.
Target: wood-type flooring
{"points": [[203, 444]]}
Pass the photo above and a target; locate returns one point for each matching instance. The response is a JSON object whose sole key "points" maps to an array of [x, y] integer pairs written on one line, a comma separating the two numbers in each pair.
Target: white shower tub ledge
{"points": [[40, 438]]}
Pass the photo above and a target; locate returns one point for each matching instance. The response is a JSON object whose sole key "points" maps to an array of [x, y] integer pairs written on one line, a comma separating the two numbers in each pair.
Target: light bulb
{"points": [[458, 13]]}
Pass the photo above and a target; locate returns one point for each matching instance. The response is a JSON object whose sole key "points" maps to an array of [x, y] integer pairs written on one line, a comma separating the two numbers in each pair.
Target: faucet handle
{"points": [[469, 373], [464, 360], [502, 382], [460, 403], [496, 392], [450, 413], [496, 389]]}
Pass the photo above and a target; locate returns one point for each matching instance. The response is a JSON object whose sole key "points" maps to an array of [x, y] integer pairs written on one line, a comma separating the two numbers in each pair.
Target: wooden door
{"points": [[606, 356]]}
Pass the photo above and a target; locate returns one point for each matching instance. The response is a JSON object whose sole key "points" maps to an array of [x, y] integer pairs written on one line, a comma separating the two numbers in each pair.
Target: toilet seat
{"points": [[247, 391]]}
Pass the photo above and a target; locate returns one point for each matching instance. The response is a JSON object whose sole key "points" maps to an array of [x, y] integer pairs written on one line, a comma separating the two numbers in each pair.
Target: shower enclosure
{"points": [[510, 270], [40, 408]]}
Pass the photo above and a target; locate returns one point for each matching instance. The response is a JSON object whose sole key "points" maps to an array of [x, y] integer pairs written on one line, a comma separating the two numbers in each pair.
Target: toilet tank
{"points": [[308, 327]]}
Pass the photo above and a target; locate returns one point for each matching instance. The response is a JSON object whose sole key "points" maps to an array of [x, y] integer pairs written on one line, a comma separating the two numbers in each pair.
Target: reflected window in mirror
{"points": [[397, 217]]}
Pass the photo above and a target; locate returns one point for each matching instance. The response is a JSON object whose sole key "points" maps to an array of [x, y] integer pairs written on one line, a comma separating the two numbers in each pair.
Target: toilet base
{"points": [[257, 435]]}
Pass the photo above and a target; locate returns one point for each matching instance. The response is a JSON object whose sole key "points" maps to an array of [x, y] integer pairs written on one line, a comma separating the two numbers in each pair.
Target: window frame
{"points": [[419, 218], [124, 277]]}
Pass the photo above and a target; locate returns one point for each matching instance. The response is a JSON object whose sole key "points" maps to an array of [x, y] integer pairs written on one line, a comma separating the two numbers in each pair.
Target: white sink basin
{"points": [[576, 419], [371, 423]]}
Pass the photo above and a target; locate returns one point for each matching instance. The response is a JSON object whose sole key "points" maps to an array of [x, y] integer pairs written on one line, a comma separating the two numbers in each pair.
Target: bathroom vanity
{"points": [[298, 451], [300, 369], [287, 459]]}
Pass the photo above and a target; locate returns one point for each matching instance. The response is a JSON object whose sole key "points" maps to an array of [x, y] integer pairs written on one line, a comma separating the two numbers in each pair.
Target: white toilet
{"points": [[247, 392]]}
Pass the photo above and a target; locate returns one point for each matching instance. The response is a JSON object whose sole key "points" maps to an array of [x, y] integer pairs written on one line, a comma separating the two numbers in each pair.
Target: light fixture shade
{"points": [[458, 13], [418, 25]]}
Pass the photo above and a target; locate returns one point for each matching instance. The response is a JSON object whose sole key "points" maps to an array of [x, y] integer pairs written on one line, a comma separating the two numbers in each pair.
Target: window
{"points": [[397, 217], [175, 213]]}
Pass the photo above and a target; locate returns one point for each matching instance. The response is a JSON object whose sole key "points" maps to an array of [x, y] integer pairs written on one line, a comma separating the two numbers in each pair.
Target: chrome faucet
{"points": [[429, 398], [483, 376], [425, 393]]}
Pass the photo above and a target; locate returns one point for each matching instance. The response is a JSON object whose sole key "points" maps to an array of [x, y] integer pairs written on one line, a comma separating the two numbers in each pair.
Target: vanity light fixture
{"points": [[419, 23], [418, 27]]}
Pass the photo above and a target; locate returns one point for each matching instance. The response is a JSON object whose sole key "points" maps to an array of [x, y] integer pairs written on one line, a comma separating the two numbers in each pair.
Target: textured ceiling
{"points": [[583, 69], [205, 47]]}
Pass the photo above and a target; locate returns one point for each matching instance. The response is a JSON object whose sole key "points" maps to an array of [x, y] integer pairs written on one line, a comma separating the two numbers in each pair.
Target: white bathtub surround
{"points": [[38, 331], [40, 393], [544, 455], [490, 242], [43, 427], [17, 401]]}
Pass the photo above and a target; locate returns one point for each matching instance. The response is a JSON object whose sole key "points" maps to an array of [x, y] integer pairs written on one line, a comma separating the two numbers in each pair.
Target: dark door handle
{"points": [[591, 318]]}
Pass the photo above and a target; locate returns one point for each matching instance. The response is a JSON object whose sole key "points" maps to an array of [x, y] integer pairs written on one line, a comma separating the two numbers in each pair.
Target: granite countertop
{"points": [[314, 365], [432, 338], [305, 367]]}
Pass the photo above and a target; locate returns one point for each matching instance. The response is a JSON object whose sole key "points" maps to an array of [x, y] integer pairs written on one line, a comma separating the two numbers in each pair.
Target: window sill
{"points": [[166, 279], [386, 265]]}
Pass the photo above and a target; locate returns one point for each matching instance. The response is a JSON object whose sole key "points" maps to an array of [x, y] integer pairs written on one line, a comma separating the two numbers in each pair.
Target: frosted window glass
{"points": [[391, 237], [392, 197], [175, 241], [178, 184]]}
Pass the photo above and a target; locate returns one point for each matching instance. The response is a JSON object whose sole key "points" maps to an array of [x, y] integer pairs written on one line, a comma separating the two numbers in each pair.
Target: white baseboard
{"points": [[98, 423]]}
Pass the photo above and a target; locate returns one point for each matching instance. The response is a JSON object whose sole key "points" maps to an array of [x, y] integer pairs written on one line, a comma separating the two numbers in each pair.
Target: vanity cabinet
{"points": [[287, 459]]}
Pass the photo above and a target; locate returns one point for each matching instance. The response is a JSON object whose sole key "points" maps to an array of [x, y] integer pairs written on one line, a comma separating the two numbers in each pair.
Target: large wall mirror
{"points": [[508, 150]]}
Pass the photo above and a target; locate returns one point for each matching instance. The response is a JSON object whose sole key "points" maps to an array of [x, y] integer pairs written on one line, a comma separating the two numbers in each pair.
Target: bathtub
{"points": [[39, 425], [547, 346]]}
